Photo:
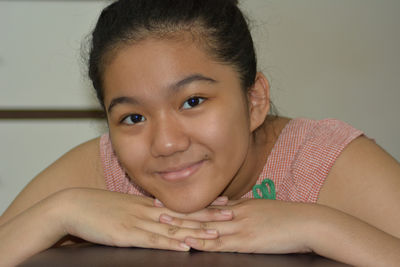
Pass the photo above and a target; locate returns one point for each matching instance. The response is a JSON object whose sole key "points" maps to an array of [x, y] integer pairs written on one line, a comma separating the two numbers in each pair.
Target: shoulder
{"points": [[363, 166], [322, 128], [304, 154], [79, 167], [365, 182], [322, 140], [301, 130]]}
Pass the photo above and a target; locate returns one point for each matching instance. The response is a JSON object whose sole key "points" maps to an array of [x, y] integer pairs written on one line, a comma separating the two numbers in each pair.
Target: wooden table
{"points": [[96, 255]]}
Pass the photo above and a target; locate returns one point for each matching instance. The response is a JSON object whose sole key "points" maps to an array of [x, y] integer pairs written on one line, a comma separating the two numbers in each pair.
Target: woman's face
{"points": [[179, 121]]}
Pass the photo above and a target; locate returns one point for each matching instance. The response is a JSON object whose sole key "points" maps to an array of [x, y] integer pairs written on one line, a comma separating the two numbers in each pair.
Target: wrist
{"points": [[57, 212], [342, 237], [37, 228], [309, 226], [63, 210]]}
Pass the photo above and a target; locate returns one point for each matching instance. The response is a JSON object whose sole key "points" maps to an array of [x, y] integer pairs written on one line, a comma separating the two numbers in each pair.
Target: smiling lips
{"points": [[180, 173]]}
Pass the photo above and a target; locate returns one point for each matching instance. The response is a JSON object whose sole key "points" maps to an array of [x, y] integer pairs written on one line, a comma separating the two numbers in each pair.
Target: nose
{"points": [[168, 137]]}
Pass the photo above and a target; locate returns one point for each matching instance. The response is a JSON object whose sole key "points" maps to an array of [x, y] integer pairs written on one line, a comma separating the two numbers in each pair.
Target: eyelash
{"points": [[141, 117], [137, 118], [200, 100]]}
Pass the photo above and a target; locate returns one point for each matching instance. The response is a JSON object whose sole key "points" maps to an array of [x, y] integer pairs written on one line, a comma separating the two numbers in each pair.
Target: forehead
{"points": [[155, 63]]}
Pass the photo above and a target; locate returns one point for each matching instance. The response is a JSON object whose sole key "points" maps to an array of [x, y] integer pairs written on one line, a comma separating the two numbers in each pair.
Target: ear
{"points": [[258, 98]]}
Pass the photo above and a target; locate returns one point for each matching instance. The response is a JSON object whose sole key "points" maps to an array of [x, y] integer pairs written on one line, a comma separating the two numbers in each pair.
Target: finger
{"points": [[166, 219], [177, 232], [206, 215], [221, 244], [223, 228], [158, 203], [148, 239], [220, 201]]}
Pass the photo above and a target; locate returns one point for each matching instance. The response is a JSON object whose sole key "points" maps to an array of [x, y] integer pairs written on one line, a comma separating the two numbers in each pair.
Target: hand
{"points": [[259, 226], [123, 220]]}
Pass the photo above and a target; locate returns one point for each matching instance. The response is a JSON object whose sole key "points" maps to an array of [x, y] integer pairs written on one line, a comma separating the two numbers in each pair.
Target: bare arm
{"points": [[356, 219], [26, 221], [365, 183], [68, 199], [80, 167]]}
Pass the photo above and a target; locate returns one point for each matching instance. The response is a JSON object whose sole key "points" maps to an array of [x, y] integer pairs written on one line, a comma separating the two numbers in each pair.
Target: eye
{"points": [[133, 119], [192, 102]]}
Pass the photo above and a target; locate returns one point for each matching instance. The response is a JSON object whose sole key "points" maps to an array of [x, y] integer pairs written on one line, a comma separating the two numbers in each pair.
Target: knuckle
{"points": [[178, 222], [154, 238], [124, 226], [172, 230], [214, 212], [204, 225], [218, 243], [202, 244], [211, 245]]}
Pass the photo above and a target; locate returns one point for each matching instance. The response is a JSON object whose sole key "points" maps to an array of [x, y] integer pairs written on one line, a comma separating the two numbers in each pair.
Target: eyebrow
{"points": [[174, 87]]}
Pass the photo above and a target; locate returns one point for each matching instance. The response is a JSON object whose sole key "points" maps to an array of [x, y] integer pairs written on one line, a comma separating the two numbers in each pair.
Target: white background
{"points": [[324, 58]]}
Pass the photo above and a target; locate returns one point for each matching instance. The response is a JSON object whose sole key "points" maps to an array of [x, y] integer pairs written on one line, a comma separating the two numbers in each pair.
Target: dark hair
{"points": [[219, 25]]}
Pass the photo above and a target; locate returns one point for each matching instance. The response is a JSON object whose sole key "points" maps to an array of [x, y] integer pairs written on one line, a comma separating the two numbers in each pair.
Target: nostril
{"points": [[169, 139]]}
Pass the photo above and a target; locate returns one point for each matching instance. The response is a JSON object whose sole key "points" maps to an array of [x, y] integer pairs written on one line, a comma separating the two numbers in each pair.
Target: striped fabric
{"points": [[298, 164]]}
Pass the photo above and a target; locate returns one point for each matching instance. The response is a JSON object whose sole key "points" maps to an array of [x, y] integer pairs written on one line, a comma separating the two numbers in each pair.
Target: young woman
{"points": [[192, 160]]}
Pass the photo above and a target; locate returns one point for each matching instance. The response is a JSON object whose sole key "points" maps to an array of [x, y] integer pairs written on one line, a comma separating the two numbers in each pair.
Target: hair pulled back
{"points": [[218, 25]]}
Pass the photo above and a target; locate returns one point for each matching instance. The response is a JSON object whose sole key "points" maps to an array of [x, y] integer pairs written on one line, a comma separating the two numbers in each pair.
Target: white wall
{"points": [[40, 66], [334, 58], [40, 63], [325, 58], [28, 146]]}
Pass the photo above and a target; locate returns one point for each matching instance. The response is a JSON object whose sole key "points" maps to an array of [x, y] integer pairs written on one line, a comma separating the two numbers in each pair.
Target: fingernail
{"points": [[158, 203], [165, 218], [222, 199], [226, 212], [184, 246], [211, 232]]}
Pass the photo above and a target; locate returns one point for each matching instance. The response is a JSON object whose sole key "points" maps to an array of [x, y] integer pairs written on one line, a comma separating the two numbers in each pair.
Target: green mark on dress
{"points": [[268, 192]]}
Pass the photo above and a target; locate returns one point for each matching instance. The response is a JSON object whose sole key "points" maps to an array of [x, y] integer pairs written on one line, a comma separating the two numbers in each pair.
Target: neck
{"points": [[261, 145]]}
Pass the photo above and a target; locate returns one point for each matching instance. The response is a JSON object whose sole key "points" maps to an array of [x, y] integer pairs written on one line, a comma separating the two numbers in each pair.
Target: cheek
{"points": [[131, 152], [227, 133]]}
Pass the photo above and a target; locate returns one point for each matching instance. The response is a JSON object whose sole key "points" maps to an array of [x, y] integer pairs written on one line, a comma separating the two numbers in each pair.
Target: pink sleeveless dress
{"points": [[297, 165]]}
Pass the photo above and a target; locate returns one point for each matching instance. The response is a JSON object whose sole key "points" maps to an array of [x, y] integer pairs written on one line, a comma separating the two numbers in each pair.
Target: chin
{"points": [[186, 205]]}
